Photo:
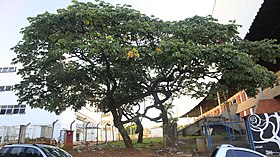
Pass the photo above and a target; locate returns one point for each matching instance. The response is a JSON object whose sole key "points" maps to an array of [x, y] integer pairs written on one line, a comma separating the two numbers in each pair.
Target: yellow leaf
{"points": [[110, 37], [86, 21], [130, 54], [135, 50], [158, 50], [137, 55]]}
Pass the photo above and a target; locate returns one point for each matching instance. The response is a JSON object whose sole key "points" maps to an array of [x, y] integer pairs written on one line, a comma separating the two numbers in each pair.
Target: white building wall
{"points": [[36, 117], [86, 117], [156, 132], [33, 116], [90, 114]]}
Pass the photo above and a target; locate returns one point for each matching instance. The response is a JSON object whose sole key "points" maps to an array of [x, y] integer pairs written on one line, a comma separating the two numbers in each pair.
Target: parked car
{"points": [[227, 150], [32, 150]]}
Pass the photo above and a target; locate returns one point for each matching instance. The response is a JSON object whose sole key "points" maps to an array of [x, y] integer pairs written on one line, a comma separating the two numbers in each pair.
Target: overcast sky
{"points": [[13, 14]]}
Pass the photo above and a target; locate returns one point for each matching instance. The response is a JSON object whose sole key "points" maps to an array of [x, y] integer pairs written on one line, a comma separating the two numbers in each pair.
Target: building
{"points": [[265, 25], [40, 123], [241, 120]]}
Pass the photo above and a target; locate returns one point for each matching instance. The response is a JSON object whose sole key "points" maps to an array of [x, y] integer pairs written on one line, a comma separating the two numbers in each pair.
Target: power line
{"points": [[215, 1]]}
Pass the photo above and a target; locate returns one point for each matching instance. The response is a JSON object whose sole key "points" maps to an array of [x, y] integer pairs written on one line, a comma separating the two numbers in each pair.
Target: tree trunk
{"points": [[166, 129], [173, 132], [125, 136], [118, 124], [139, 130], [164, 116]]}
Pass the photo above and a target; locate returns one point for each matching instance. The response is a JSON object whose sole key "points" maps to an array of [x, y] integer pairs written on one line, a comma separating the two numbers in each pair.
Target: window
{"points": [[3, 109], [9, 109], [12, 109], [54, 152], [8, 69], [16, 152], [3, 151], [22, 109], [237, 153], [16, 109], [9, 88], [32, 152], [6, 88], [12, 69], [4, 70]]}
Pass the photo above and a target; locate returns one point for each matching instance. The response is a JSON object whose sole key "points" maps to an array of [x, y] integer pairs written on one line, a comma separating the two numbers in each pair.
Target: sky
{"points": [[14, 13]]}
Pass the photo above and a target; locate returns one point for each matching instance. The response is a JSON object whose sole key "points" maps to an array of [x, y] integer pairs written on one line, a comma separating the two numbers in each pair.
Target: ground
{"points": [[115, 152], [150, 148]]}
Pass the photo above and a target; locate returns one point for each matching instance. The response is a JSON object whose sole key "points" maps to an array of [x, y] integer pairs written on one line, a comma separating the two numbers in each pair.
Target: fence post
{"points": [[22, 132], [106, 138], [52, 131], [3, 137]]}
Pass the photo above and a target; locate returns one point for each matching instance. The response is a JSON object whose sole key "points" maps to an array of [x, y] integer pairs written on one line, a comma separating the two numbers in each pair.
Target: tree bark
{"points": [[174, 131], [166, 129], [139, 130], [166, 126], [119, 124]]}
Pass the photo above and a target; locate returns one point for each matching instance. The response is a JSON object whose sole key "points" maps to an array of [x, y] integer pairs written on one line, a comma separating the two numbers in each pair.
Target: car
{"points": [[32, 150], [226, 150]]}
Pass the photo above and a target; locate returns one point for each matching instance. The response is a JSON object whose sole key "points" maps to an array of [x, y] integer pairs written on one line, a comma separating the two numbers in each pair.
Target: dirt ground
{"points": [[186, 147], [114, 152]]}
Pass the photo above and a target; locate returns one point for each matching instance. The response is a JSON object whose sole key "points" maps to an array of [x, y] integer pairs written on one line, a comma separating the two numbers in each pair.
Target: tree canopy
{"points": [[110, 56]]}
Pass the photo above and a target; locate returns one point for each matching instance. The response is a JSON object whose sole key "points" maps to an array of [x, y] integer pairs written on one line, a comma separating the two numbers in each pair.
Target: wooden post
{"points": [[219, 102], [201, 112]]}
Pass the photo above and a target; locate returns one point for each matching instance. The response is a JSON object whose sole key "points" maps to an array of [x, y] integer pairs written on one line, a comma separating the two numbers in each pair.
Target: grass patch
{"points": [[148, 143], [184, 143]]}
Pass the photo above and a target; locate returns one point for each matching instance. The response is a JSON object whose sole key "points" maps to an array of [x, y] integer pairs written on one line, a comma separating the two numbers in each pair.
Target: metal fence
{"points": [[234, 133], [10, 134]]}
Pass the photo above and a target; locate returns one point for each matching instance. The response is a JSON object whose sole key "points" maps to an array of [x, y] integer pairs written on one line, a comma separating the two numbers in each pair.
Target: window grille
{"points": [[12, 109]]}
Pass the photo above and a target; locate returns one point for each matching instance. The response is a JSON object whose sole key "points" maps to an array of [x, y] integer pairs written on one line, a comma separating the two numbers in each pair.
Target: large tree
{"points": [[85, 54], [114, 57], [198, 56]]}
